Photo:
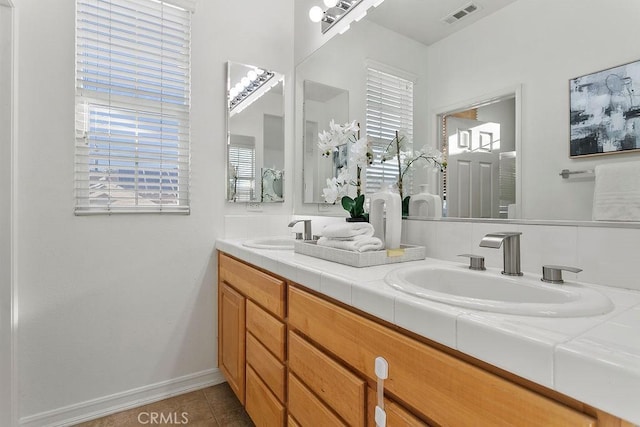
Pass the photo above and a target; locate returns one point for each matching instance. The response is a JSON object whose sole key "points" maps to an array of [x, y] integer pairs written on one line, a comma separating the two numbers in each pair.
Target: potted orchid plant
{"points": [[400, 149], [360, 155]]}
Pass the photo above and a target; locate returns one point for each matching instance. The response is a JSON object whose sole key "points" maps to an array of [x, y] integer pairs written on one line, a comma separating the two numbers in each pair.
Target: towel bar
{"points": [[565, 173]]}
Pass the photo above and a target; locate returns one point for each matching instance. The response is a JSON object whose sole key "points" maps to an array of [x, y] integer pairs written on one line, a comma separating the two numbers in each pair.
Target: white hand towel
{"points": [[358, 244], [347, 230], [617, 192]]}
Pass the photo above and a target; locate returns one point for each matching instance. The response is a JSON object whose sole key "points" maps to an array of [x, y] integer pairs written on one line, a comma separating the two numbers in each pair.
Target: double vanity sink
{"points": [[574, 338], [481, 290]]}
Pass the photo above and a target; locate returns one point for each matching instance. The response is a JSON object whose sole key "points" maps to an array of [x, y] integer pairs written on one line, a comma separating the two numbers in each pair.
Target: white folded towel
{"points": [[356, 244], [347, 230], [616, 195]]}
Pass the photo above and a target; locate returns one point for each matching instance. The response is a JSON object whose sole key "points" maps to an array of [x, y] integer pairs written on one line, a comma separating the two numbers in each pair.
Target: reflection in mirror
{"points": [[479, 142], [321, 104], [255, 134], [500, 45]]}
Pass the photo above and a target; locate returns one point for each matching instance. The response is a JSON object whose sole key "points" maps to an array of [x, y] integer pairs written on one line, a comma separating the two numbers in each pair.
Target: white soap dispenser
{"points": [[431, 202], [391, 232]]}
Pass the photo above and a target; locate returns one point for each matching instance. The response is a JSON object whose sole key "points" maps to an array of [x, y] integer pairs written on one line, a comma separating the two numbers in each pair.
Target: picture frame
{"points": [[604, 114]]}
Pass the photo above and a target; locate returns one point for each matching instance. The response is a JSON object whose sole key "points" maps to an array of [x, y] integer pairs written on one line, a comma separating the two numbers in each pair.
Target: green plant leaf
{"points": [[348, 204], [358, 209]]}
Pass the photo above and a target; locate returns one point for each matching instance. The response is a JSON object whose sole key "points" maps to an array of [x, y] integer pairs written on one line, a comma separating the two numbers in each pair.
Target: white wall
{"points": [[112, 304], [6, 65], [540, 44]]}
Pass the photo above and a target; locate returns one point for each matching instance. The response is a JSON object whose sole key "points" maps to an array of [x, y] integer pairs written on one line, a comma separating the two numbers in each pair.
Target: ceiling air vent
{"points": [[466, 10]]}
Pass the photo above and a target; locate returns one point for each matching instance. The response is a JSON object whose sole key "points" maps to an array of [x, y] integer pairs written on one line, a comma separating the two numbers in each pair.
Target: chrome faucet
{"points": [[307, 227], [511, 253]]}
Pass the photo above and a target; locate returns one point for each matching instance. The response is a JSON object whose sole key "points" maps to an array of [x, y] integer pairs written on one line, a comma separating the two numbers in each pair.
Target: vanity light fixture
{"points": [[336, 9], [252, 86]]}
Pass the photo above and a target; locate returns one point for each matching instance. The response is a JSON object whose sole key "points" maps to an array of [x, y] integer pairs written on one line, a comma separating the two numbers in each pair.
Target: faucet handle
{"points": [[307, 227], [553, 273], [476, 262]]}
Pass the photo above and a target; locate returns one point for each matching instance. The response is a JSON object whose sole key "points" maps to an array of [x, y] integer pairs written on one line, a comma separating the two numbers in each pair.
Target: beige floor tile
{"points": [[222, 399], [194, 406], [235, 418]]}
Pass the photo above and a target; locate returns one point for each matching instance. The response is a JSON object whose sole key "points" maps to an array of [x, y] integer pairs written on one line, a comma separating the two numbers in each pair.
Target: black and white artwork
{"points": [[605, 111]]}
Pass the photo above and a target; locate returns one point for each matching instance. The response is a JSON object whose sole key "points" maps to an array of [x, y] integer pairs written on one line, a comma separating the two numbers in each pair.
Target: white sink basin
{"points": [[270, 243], [490, 291]]}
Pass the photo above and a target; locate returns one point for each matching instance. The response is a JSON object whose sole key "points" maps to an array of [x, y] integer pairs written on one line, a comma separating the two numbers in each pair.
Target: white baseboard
{"points": [[96, 408]]}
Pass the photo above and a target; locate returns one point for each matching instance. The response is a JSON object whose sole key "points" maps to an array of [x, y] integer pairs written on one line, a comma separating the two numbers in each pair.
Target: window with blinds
{"points": [[132, 106], [242, 158], [389, 109]]}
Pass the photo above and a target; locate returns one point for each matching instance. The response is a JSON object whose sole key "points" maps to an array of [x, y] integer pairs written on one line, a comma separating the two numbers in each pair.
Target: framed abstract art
{"points": [[605, 111]]}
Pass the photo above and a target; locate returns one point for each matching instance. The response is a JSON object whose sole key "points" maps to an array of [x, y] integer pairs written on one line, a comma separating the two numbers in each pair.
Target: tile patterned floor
{"points": [[215, 406]]}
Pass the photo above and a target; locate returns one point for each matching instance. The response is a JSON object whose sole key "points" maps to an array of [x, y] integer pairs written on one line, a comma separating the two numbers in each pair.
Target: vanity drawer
{"points": [[335, 385], [261, 405], [397, 416], [264, 289], [267, 329], [444, 389], [291, 422], [307, 409], [266, 366]]}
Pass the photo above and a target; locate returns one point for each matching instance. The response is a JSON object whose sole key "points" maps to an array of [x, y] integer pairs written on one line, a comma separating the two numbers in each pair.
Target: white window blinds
{"points": [[242, 158], [132, 106], [389, 109]]}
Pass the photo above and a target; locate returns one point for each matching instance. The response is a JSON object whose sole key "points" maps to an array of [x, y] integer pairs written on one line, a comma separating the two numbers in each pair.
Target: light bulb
{"points": [[316, 14], [239, 87], [252, 75], [259, 71], [233, 92], [245, 82], [330, 3]]}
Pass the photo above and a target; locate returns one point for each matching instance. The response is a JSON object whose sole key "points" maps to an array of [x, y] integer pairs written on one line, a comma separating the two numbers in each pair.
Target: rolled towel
{"points": [[357, 244], [347, 230]]}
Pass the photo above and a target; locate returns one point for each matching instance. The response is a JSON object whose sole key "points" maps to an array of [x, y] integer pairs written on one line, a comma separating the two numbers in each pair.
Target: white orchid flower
{"points": [[362, 153], [330, 192]]}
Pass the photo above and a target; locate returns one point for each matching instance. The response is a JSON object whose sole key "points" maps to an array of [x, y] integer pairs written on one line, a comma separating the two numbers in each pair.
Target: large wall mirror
{"points": [[255, 134], [494, 66]]}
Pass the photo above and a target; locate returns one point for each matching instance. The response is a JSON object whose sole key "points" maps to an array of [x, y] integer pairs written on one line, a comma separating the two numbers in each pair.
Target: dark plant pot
{"points": [[359, 219]]}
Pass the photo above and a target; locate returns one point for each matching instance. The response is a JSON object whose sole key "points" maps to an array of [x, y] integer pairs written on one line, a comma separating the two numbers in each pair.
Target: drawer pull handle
{"points": [[382, 372]]}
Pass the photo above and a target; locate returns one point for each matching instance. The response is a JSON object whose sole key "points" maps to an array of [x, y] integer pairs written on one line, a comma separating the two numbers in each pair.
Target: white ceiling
{"points": [[421, 20]]}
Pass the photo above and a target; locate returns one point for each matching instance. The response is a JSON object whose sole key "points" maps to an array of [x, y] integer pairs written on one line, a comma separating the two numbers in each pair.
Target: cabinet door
{"points": [[231, 337], [397, 416], [439, 386]]}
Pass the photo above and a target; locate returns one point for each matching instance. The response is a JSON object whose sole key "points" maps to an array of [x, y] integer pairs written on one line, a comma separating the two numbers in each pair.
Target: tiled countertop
{"points": [[593, 359]]}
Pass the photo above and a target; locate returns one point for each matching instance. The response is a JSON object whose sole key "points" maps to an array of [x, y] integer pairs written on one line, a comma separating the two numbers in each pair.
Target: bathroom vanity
{"points": [[296, 353]]}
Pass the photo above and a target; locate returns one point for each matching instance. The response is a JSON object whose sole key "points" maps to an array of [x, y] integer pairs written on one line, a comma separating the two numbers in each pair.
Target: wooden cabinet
{"points": [[231, 338], [435, 385], [252, 338], [295, 357]]}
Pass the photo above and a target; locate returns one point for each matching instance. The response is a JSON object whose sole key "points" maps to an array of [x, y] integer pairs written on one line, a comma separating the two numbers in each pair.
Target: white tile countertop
{"points": [[593, 359]]}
